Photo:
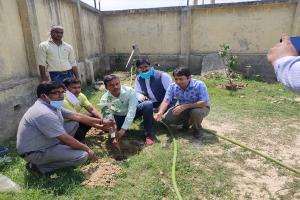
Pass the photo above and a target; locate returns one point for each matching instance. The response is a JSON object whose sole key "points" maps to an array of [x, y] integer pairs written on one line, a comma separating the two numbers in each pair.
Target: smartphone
{"points": [[296, 43]]}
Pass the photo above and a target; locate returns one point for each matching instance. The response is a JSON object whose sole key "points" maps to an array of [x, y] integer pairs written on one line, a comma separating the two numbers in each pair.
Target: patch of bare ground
{"points": [[254, 177], [256, 180], [100, 173]]}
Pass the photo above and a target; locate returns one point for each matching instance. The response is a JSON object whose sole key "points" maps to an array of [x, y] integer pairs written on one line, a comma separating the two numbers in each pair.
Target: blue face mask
{"points": [[148, 74], [57, 104]]}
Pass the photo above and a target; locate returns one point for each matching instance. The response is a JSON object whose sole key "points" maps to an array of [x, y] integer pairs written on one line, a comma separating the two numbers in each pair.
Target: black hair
{"points": [[70, 81], [108, 78], [182, 71], [47, 86], [142, 61]]}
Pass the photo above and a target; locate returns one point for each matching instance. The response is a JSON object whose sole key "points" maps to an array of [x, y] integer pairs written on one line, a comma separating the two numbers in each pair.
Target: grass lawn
{"points": [[263, 116]]}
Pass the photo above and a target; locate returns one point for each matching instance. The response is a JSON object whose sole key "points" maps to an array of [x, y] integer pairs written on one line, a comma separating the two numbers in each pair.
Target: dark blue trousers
{"points": [[144, 109]]}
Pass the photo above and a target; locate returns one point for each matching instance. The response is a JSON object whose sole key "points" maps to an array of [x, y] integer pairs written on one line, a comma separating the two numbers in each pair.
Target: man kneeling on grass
{"points": [[45, 141], [77, 102], [193, 99], [124, 99]]}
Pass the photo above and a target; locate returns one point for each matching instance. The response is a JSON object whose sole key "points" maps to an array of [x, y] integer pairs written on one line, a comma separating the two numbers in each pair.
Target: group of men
{"points": [[51, 133]]}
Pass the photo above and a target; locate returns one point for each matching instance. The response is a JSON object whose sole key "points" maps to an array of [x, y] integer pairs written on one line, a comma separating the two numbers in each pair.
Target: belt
{"points": [[23, 155]]}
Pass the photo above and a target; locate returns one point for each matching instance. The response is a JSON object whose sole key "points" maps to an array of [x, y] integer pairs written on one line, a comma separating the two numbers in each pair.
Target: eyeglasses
{"points": [[57, 92]]}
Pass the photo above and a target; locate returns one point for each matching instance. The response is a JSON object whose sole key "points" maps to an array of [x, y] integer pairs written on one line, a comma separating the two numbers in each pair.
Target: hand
{"points": [[92, 155], [107, 124], [158, 116], [120, 134], [145, 98], [179, 109], [282, 49]]}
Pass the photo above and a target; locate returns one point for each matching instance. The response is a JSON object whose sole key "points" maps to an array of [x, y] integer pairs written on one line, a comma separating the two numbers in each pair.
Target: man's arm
{"points": [[75, 72], [43, 73], [131, 110], [199, 104], [162, 108], [91, 121], [42, 62], [93, 111], [72, 61], [138, 91], [75, 144]]}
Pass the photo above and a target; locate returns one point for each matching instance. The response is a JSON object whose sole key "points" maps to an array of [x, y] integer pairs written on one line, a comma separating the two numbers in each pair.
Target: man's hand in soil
{"points": [[116, 141], [179, 109], [92, 155], [158, 116]]}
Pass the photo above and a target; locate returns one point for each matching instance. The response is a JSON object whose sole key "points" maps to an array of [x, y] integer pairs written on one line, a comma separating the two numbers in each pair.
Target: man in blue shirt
{"points": [[194, 103], [283, 57]]}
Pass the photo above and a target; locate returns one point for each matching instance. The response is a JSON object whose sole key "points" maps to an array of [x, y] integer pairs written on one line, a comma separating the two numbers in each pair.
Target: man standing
{"points": [[283, 56], [194, 103], [77, 102], [57, 57], [126, 108], [151, 84], [45, 141]]}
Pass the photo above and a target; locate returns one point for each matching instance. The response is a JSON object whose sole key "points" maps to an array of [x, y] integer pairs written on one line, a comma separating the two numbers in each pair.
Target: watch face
{"points": [[296, 43]]}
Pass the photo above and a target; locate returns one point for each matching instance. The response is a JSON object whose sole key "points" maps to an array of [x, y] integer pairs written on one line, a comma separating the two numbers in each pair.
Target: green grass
{"points": [[200, 173]]}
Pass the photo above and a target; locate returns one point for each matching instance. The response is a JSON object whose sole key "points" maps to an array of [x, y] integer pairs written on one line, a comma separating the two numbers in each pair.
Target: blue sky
{"points": [[135, 4]]}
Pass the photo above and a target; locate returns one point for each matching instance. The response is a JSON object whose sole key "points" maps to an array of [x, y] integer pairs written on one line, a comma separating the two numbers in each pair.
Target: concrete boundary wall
{"points": [[24, 24], [183, 36], [175, 36]]}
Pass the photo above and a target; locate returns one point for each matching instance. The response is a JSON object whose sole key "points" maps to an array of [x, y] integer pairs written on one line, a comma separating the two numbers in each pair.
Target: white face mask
{"points": [[72, 98]]}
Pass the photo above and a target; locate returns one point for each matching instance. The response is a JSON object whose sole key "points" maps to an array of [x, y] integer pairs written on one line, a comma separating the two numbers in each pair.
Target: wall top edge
{"points": [[177, 8]]}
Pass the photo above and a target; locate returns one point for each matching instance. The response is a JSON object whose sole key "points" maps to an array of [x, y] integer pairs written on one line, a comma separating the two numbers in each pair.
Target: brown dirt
{"points": [[100, 173]]}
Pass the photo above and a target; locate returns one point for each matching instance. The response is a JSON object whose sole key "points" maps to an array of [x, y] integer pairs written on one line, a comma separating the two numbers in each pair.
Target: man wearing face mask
{"points": [[44, 141], [151, 84]]}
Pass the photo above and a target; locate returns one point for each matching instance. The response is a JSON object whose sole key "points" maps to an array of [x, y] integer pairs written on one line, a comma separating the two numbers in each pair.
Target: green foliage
{"points": [[230, 61]]}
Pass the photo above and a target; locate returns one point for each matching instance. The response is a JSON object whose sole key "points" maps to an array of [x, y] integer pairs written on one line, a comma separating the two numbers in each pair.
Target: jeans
{"points": [[144, 109], [59, 77]]}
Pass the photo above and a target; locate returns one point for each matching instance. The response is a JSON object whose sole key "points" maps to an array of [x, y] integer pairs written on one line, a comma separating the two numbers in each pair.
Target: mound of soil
{"points": [[100, 173]]}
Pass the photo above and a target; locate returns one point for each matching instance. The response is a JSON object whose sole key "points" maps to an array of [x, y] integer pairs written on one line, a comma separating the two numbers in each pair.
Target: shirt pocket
{"points": [[64, 53]]}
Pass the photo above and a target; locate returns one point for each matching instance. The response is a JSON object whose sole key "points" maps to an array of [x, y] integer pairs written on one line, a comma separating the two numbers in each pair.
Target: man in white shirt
{"points": [[57, 57]]}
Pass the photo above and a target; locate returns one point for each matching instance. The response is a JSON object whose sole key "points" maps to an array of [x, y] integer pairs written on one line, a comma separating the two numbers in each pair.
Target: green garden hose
{"points": [[175, 187], [297, 171]]}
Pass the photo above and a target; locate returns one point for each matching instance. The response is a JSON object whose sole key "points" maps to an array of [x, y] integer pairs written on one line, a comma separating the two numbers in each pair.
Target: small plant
{"points": [[108, 110], [231, 62]]}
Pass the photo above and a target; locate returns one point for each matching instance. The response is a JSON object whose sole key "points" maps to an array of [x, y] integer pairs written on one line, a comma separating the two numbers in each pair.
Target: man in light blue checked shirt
{"points": [[193, 99], [283, 57]]}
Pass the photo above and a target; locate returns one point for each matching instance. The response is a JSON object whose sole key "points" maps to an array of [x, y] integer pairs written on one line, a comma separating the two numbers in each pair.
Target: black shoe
{"points": [[198, 134], [32, 168]]}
